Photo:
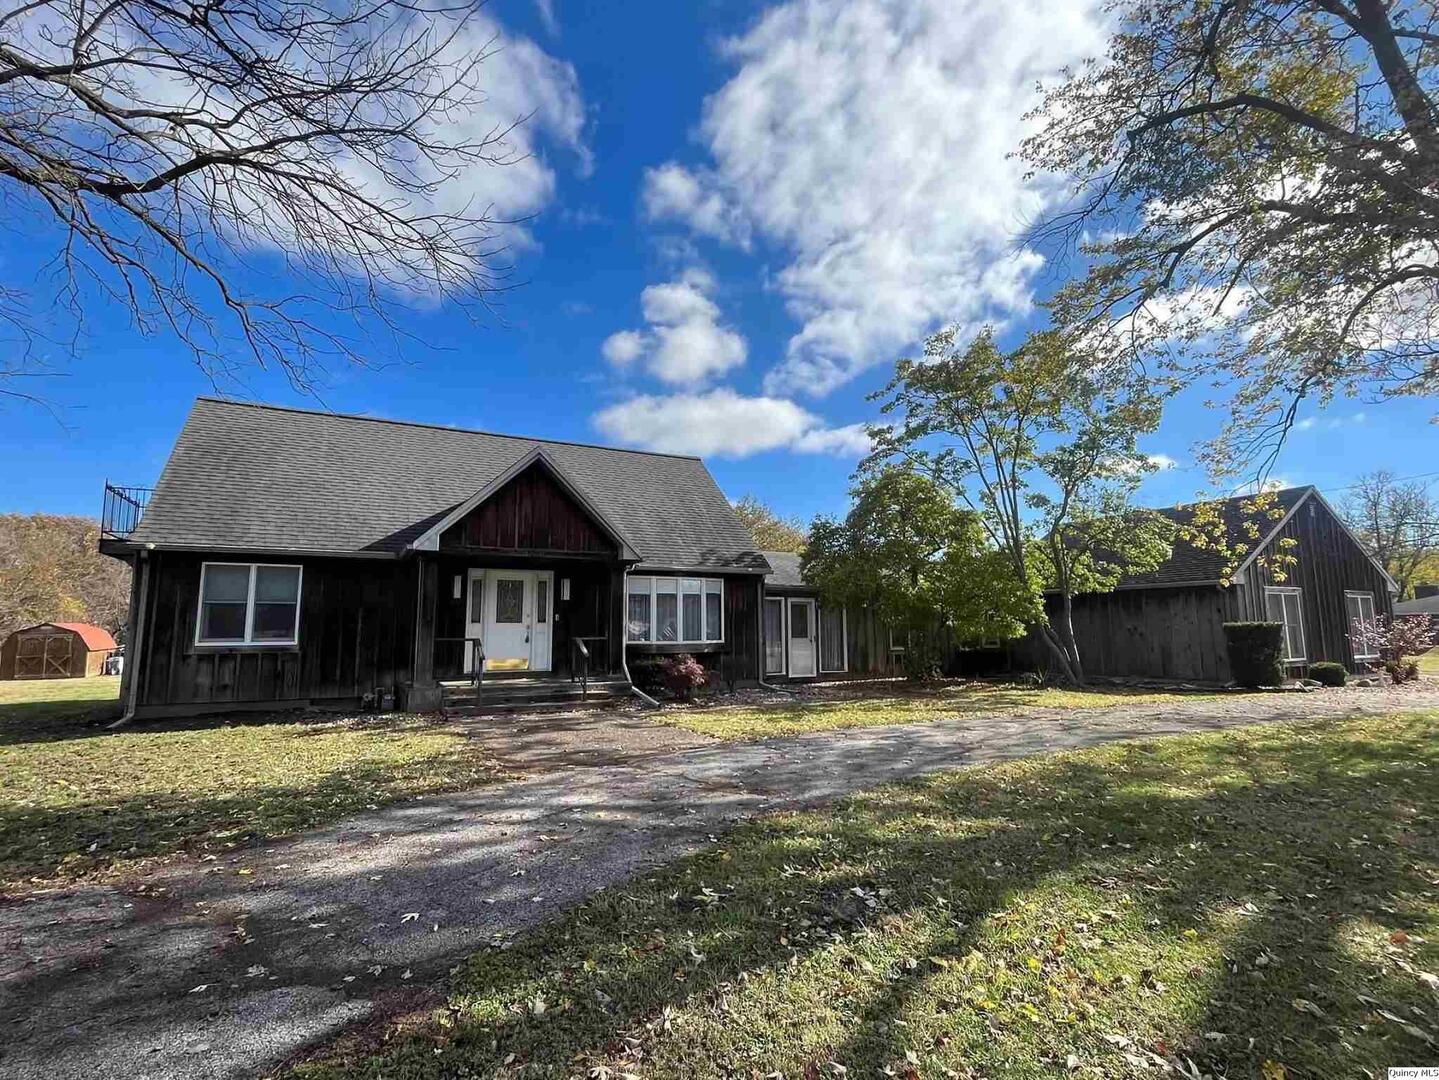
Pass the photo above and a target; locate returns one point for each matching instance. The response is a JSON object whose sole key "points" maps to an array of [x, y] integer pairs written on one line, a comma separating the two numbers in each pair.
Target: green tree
{"points": [[770, 531], [907, 551], [1041, 443], [1257, 193]]}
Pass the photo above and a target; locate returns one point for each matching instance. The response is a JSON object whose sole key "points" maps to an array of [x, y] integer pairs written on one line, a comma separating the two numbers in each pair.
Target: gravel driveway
{"points": [[227, 969]]}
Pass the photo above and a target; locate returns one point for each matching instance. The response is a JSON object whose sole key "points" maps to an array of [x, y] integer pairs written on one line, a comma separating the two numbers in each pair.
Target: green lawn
{"points": [[78, 800], [1260, 903], [1429, 662], [896, 704]]}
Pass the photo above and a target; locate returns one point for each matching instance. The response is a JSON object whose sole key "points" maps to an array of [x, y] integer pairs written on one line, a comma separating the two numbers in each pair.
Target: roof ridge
{"points": [[1234, 498], [440, 427]]}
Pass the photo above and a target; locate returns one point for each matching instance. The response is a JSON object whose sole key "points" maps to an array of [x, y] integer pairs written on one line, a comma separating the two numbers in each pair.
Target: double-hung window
{"points": [[1286, 606], [675, 611], [248, 604], [1363, 625]]}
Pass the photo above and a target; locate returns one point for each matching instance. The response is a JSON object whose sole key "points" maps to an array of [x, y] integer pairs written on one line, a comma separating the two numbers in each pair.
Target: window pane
{"points": [[831, 639], [1274, 606], [714, 616], [274, 622], [692, 617], [542, 604], [477, 600], [773, 636], [277, 584], [666, 610], [639, 620], [799, 620], [227, 583], [509, 600], [222, 622]]}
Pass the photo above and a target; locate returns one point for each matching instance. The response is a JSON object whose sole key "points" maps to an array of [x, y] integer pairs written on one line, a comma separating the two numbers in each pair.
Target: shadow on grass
{"points": [[1229, 899]]}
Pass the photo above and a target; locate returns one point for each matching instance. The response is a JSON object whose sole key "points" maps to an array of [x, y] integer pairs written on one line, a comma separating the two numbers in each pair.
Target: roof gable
{"points": [[259, 478]]}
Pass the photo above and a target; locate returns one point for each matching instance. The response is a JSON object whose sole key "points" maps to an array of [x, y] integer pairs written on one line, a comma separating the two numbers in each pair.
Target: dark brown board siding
{"points": [[530, 513], [356, 633], [1329, 562], [1152, 633]]}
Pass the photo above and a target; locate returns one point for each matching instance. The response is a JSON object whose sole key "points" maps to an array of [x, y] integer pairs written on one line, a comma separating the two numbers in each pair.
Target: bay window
{"points": [[675, 611], [248, 604]]}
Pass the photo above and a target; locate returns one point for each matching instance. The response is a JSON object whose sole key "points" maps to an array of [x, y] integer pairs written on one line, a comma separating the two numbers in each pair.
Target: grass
{"points": [[79, 801], [901, 706], [1429, 662], [1259, 903]]}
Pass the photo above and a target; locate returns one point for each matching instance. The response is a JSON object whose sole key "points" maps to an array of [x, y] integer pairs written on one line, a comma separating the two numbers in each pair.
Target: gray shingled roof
{"points": [[263, 478], [784, 573], [1425, 605], [1188, 564]]}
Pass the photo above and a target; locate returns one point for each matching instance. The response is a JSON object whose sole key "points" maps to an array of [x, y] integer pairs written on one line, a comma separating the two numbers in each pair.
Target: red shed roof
{"points": [[96, 639]]}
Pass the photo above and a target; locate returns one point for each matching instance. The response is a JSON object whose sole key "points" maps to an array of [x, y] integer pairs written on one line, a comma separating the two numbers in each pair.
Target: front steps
{"points": [[503, 692]]}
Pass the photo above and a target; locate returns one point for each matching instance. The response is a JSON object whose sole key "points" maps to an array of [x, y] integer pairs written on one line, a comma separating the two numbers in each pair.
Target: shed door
{"points": [[42, 655]]}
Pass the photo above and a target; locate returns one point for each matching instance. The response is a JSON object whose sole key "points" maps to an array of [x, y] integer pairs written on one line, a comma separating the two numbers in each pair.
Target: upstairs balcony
{"points": [[122, 510]]}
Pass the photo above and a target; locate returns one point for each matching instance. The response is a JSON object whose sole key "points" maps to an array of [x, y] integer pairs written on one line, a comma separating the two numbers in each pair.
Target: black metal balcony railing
{"points": [[122, 510]]}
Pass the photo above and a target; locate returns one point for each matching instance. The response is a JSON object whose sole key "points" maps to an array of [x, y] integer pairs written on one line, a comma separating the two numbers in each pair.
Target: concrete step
{"points": [[510, 693]]}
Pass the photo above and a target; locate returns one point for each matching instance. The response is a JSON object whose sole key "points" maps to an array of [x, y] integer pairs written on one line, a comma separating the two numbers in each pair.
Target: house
{"points": [[62, 650], [1425, 602], [1169, 623], [289, 557]]}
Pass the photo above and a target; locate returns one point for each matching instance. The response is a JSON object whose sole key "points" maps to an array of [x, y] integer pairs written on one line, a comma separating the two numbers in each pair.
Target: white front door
{"points": [[802, 652], [515, 610]]}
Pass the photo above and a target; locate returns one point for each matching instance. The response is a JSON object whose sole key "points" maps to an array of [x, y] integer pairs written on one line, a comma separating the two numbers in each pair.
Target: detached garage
{"points": [[55, 651]]}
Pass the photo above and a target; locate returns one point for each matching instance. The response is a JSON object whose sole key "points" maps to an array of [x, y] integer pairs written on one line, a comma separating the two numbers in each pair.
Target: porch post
{"points": [[616, 619], [423, 692]]}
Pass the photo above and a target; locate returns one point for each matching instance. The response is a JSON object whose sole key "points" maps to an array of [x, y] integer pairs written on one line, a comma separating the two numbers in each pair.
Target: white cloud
{"points": [[685, 341], [673, 192], [722, 423], [546, 11], [870, 140], [1163, 462]]}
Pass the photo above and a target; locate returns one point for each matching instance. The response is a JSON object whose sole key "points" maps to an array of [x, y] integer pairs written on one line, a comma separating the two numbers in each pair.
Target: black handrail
{"points": [[578, 646], [477, 656]]}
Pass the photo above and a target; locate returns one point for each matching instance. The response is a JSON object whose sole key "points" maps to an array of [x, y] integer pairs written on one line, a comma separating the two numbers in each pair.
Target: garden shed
{"points": [[55, 651]]}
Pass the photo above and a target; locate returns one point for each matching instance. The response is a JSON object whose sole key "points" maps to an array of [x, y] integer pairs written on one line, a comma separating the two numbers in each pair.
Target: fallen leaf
{"points": [[409, 916]]}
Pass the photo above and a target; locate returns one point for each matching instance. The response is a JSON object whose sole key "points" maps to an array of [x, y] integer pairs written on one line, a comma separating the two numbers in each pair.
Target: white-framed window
{"points": [[249, 604], [773, 635], [833, 639], [1363, 624], [898, 639], [1286, 605], [679, 611]]}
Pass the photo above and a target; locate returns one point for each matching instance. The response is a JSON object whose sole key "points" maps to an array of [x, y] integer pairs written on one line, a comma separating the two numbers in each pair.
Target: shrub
{"points": [[1255, 652], [683, 675], [1402, 671], [1328, 673], [648, 675]]}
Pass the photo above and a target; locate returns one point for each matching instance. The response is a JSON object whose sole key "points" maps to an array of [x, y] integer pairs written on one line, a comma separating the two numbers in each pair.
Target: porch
{"points": [[510, 628]]}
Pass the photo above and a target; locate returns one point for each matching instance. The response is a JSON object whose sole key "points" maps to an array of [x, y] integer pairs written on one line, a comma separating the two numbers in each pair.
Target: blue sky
{"points": [[739, 215]]}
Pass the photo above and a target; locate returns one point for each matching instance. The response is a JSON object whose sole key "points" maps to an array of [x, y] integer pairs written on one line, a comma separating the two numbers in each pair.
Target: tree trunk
{"points": [[1057, 652], [1066, 637]]}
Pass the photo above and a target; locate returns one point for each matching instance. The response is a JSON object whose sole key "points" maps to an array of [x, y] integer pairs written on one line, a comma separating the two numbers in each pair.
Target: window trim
{"points": [[844, 642], [1360, 594], [679, 594], [248, 641], [900, 647], [1298, 594]]}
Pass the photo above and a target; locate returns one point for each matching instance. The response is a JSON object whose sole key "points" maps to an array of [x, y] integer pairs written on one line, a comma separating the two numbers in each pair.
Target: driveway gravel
{"points": [[231, 967]]}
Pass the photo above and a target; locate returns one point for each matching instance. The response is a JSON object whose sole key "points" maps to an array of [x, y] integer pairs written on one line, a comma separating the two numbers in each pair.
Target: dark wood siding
{"points": [[356, 633], [742, 625], [1329, 562], [1150, 633], [531, 513]]}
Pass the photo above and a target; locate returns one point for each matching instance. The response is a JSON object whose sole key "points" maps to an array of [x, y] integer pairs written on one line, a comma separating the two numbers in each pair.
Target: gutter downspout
{"points": [[624, 652], [135, 644]]}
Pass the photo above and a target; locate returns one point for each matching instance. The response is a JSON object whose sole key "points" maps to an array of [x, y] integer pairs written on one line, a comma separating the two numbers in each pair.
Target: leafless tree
{"points": [[1398, 521], [171, 140]]}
